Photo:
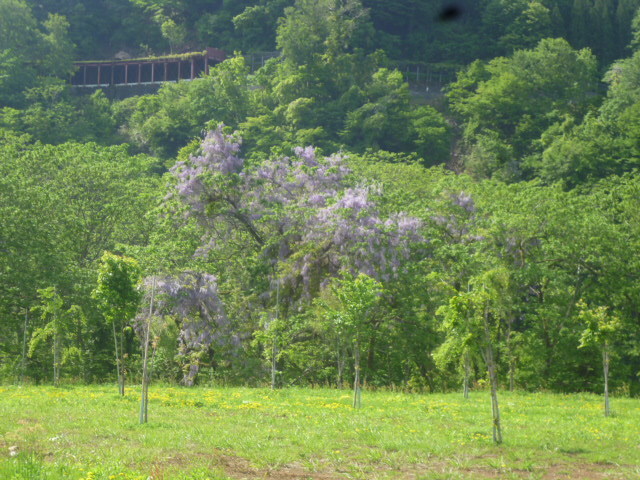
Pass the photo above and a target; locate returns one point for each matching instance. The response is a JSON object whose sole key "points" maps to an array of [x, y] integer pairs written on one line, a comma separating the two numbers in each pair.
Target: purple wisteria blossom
{"points": [[193, 299], [350, 233], [303, 215], [460, 226], [300, 200], [227, 197]]}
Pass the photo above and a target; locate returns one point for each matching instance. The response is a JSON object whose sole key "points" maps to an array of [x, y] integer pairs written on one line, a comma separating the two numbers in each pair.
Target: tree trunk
{"points": [[115, 342], [23, 366], [122, 364], [495, 410], [274, 342], [371, 354], [467, 374], [144, 401], [56, 358], [605, 365], [274, 362], [512, 357], [356, 382], [340, 363], [493, 380], [189, 378], [84, 372], [512, 370]]}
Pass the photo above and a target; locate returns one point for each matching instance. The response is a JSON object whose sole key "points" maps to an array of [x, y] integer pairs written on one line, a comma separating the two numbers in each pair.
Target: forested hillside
{"points": [[319, 218]]}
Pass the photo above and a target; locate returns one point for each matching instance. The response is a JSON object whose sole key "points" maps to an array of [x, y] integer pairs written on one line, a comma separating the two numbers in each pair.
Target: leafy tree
{"points": [[118, 298], [257, 24], [30, 53], [100, 28], [166, 122], [357, 298], [529, 27], [604, 143], [293, 216], [58, 324], [624, 15], [55, 116], [387, 121], [580, 23], [311, 29], [473, 318], [635, 31], [146, 338], [61, 208], [458, 345], [501, 123], [602, 14], [601, 330], [59, 49]]}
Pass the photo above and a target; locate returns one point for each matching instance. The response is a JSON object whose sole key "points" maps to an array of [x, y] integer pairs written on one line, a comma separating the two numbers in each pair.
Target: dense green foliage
{"points": [[491, 215]]}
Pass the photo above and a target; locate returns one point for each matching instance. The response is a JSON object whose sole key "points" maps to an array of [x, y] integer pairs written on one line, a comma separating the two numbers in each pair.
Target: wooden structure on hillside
{"points": [[145, 71]]}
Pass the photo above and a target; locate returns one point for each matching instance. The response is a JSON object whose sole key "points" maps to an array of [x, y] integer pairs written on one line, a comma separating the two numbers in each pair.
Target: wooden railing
{"points": [[145, 71]]}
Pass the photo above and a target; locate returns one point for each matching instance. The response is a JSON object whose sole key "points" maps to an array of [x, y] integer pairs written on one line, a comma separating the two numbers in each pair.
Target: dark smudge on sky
{"points": [[450, 12]]}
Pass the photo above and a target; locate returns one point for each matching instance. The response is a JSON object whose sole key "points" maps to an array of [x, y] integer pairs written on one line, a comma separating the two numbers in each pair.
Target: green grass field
{"points": [[240, 433]]}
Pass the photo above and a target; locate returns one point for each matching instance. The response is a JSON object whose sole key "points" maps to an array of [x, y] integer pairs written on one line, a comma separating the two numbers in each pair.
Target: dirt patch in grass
{"points": [[588, 471], [235, 467], [241, 469]]}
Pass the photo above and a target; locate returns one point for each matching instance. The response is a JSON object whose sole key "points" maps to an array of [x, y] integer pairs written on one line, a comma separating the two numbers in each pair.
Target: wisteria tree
{"points": [[192, 297], [301, 216], [288, 202]]}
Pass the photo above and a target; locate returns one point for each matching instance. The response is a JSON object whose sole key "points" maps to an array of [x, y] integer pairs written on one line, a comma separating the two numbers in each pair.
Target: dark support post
{"points": [[98, 75], [153, 72], [165, 72], [126, 73], [193, 69], [179, 70], [139, 73], [84, 76]]}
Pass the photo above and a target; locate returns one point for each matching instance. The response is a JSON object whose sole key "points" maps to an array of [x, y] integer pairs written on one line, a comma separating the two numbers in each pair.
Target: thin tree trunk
{"points": [[512, 369], [56, 358], [371, 354], [274, 342], [495, 409], [144, 401], [605, 364], [80, 344], [341, 361], [493, 379], [274, 363], [115, 342], [512, 359], [356, 382], [23, 367], [122, 364], [467, 374]]}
